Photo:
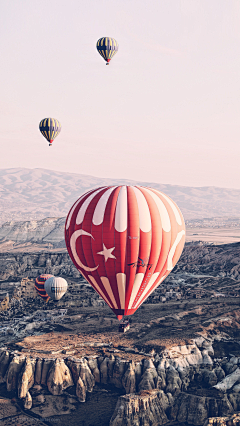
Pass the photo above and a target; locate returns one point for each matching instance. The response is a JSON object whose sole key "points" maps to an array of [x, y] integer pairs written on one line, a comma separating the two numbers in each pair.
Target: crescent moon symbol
{"points": [[73, 240]]}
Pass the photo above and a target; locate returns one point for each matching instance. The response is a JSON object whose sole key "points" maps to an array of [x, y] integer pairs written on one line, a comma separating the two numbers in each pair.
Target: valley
{"points": [[57, 359]]}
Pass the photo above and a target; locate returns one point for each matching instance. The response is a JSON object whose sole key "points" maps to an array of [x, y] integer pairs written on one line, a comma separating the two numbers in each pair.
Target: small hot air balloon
{"points": [[124, 240], [107, 47], [55, 287], [39, 285], [50, 129]]}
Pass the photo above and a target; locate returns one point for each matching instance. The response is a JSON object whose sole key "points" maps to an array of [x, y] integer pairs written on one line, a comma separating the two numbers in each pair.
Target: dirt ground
{"points": [[153, 328]]}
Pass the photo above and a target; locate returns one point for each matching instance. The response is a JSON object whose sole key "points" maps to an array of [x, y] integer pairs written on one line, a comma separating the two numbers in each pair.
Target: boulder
{"points": [[25, 379], [86, 375], [81, 390], [93, 364], [228, 381], [27, 401], [129, 379], [13, 371], [59, 377]]}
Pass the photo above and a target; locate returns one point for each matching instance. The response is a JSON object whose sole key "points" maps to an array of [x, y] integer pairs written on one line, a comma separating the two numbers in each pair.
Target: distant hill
{"points": [[30, 194], [33, 235]]}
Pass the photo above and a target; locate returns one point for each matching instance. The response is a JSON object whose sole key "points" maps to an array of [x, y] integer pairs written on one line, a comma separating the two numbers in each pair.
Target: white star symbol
{"points": [[107, 253]]}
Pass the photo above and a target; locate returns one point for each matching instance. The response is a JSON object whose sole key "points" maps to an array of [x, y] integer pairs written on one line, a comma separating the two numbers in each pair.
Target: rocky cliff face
{"points": [[180, 385], [16, 266], [49, 230], [233, 420], [147, 408]]}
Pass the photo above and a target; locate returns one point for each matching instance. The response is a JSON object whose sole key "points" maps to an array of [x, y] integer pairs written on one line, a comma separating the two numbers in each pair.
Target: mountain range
{"points": [[34, 194]]}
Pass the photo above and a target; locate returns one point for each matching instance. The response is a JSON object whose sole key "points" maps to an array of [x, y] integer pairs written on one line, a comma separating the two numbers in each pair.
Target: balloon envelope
{"points": [[107, 47], [50, 128], [56, 287], [39, 285], [124, 240]]}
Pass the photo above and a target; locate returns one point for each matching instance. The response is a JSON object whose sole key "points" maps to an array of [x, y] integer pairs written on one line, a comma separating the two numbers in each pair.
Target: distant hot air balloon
{"points": [[55, 287], [107, 47], [50, 129], [124, 240], [39, 285]]}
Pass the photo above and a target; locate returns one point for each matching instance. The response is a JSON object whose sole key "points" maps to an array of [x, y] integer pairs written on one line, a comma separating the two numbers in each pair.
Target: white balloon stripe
{"points": [[98, 289], [143, 211], [83, 208], [157, 283], [121, 282], [121, 215], [73, 209], [136, 286], [165, 219], [99, 211], [173, 249], [173, 207], [109, 291]]}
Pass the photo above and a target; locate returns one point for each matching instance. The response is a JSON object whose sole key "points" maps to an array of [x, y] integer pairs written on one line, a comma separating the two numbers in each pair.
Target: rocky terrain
{"points": [[31, 194], [183, 384], [179, 364], [48, 233], [33, 235]]}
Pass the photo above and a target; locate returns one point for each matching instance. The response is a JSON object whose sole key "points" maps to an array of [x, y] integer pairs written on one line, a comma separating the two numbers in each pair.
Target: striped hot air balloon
{"points": [[124, 240], [56, 287], [107, 47], [50, 129], [39, 285]]}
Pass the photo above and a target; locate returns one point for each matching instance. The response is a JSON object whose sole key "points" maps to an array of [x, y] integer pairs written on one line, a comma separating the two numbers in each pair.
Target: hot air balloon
{"points": [[124, 240], [55, 287], [50, 129], [107, 47], [39, 285]]}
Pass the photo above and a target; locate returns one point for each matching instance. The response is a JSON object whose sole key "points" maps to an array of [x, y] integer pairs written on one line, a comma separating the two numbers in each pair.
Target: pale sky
{"points": [[166, 110]]}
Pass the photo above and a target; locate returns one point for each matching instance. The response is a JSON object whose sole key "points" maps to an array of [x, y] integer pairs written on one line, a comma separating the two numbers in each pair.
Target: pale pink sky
{"points": [[167, 109]]}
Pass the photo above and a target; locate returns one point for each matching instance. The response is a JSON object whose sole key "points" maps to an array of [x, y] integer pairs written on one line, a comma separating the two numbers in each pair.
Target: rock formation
{"points": [[147, 408], [28, 401], [129, 379], [59, 377], [158, 390], [13, 371], [25, 379], [233, 420], [229, 381]]}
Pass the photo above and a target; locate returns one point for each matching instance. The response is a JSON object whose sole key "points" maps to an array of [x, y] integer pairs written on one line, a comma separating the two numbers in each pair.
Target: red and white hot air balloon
{"points": [[124, 240]]}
